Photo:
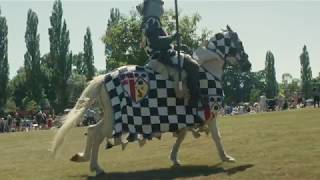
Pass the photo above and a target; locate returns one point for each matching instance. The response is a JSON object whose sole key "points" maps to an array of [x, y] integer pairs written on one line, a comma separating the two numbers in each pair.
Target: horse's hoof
{"points": [[123, 146], [175, 165], [100, 173], [109, 145], [75, 158], [142, 142], [228, 159]]}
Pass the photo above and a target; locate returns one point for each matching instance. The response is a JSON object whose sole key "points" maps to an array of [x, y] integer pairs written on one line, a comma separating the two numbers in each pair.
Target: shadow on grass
{"points": [[172, 173]]}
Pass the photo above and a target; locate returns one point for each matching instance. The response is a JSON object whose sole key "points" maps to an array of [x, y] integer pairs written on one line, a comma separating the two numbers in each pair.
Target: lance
{"points": [[178, 43]]}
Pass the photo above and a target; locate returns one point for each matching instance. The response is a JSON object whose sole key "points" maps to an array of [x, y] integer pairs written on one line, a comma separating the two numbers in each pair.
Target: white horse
{"points": [[222, 48]]}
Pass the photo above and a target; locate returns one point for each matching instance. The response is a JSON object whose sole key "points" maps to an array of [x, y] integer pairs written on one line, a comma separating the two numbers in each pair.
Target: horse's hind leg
{"points": [[85, 156], [99, 133], [217, 139], [102, 130], [175, 149]]}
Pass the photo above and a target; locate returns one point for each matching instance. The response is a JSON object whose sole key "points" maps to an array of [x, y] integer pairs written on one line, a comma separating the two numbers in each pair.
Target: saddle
{"points": [[170, 72]]}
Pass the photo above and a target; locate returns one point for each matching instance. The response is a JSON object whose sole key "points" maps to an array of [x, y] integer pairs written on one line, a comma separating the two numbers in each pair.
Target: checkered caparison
{"points": [[155, 109]]}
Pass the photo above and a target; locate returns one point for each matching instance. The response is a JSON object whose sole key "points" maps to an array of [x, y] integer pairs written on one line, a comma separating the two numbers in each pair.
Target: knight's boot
{"points": [[192, 70]]}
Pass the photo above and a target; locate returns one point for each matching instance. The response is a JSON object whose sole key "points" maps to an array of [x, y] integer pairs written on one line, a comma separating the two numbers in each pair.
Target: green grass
{"points": [[278, 145]]}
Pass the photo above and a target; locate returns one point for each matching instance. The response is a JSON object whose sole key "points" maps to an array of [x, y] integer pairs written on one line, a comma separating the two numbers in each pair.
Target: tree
{"points": [[4, 66], [47, 77], [77, 83], [60, 55], [32, 58], [114, 17], [237, 85], [271, 89], [122, 42], [78, 63], [18, 87], [88, 55], [284, 86], [306, 73], [286, 78], [257, 82], [188, 28]]}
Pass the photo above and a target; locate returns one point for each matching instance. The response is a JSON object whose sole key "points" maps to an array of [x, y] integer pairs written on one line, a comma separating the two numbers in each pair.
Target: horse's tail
{"points": [[74, 117]]}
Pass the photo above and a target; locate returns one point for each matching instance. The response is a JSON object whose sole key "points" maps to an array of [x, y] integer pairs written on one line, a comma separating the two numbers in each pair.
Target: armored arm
{"points": [[156, 35]]}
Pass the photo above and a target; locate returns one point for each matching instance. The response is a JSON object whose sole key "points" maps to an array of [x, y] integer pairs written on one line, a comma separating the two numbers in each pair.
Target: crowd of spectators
{"points": [[14, 122]]}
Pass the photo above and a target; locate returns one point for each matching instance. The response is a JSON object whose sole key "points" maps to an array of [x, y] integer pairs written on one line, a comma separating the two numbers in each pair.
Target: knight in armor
{"points": [[158, 46]]}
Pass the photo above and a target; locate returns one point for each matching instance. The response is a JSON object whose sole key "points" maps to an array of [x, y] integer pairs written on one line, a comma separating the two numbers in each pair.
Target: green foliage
{"points": [[289, 86], [10, 106], [122, 42], [30, 105], [18, 87], [271, 89], [306, 73], [237, 85], [47, 78], [77, 83], [88, 57], [242, 86], [4, 66], [188, 28], [231, 85], [78, 63], [32, 58], [114, 17], [316, 83], [255, 95], [60, 56], [257, 82]]}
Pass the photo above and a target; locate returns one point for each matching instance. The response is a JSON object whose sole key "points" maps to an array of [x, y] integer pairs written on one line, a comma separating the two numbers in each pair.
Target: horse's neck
{"points": [[214, 67]]}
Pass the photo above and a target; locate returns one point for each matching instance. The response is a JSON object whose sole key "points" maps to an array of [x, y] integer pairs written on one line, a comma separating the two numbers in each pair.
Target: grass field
{"points": [[278, 145]]}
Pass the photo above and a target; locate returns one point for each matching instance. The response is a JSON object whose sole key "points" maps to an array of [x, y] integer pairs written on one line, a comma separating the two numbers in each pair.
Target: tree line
{"points": [[56, 79], [52, 81]]}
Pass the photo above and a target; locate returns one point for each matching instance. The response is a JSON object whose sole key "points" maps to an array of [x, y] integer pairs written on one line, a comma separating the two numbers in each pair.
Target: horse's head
{"points": [[227, 47]]}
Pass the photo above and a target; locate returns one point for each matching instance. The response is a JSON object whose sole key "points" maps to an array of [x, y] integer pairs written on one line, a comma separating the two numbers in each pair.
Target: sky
{"points": [[282, 27]]}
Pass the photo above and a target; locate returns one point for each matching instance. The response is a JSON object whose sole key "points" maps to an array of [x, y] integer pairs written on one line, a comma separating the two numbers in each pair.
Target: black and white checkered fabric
{"points": [[144, 102], [222, 43]]}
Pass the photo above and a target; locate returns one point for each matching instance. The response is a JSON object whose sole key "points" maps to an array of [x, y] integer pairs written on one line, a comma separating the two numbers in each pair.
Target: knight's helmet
{"points": [[141, 8], [149, 8]]}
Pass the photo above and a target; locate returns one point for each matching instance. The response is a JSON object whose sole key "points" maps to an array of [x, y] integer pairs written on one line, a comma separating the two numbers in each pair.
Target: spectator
{"points": [[90, 116], [18, 122], [316, 97], [1, 125], [5, 124], [40, 118], [9, 120], [49, 122]]}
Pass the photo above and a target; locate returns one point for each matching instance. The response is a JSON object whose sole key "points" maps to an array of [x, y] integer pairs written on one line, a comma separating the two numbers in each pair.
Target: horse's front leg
{"points": [[174, 152], [217, 139]]}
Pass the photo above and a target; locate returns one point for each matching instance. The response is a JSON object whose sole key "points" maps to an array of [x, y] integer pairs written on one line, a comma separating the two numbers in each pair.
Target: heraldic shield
{"points": [[135, 84]]}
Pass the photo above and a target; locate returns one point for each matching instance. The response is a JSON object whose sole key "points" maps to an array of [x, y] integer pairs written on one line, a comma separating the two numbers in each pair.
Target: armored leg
{"points": [[192, 70]]}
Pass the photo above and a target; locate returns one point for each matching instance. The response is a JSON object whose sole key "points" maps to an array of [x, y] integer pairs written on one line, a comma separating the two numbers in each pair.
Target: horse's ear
{"points": [[139, 9], [205, 43], [229, 28]]}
